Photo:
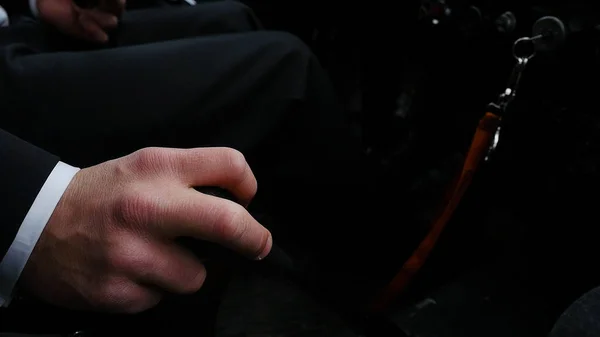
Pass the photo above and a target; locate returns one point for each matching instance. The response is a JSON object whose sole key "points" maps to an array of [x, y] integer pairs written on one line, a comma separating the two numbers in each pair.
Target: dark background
{"points": [[522, 246]]}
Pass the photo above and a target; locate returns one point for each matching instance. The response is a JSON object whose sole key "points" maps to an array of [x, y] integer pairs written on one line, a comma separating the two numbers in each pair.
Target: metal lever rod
{"points": [[514, 80], [517, 72]]}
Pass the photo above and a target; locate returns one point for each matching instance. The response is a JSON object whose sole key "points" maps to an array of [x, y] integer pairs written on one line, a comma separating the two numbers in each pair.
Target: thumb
{"points": [[60, 13], [70, 19]]}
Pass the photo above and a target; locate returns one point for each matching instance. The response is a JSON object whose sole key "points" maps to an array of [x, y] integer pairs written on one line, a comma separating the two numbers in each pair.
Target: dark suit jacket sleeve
{"points": [[16, 7], [24, 169]]}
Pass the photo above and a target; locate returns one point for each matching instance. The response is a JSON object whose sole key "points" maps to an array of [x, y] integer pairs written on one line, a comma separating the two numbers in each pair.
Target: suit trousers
{"points": [[188, 77]]}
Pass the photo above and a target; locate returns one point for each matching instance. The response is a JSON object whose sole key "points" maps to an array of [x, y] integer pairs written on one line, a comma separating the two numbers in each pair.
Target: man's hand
{"points": [[109, 244], [88, 24]]}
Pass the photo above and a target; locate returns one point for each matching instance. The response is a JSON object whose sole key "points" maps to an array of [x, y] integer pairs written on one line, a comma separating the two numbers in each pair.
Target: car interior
{"points": [[418, 76], [503, 246]]}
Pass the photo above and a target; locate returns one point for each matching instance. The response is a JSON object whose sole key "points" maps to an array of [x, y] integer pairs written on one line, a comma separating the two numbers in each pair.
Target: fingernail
{"points": [[114, 20], [267, 248]]}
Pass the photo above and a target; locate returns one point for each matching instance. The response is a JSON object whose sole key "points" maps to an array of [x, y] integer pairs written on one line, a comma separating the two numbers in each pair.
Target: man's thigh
{"points": [[262, 93], [113, 101], [169, 23], [141, 26]]}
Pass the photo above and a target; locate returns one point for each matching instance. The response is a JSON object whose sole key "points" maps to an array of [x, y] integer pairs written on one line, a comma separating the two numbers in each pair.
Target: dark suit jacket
{"points": [[23, 167], [23, 170]]}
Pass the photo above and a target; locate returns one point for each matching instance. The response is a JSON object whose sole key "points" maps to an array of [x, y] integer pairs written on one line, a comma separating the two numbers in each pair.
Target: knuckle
{"points": [[117, 261], [130, 256], [232, 224], [254, 188], [236, 163], [124, 297], [148, 159], [113, 295], [141, 303], [194, 283], [260, 248], [108, 293], [135, 208]]}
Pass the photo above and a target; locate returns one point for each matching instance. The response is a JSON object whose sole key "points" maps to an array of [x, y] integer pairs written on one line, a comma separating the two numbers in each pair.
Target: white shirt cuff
{"points": [[33, 8], [3, 18], [33, 225]]}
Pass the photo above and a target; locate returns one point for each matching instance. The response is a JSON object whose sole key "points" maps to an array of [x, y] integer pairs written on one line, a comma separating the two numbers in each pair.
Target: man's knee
{"points": [[236, 7], [234, 14], [287, 47], [581, 319]]}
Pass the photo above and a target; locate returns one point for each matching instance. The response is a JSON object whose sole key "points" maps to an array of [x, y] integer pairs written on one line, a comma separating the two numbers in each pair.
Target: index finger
{"points": [[214, 219], [216, 167]]}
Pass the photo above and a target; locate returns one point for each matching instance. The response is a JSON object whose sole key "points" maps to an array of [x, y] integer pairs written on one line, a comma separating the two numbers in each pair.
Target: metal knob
{"points": [[506, 23], [549, 33]]}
